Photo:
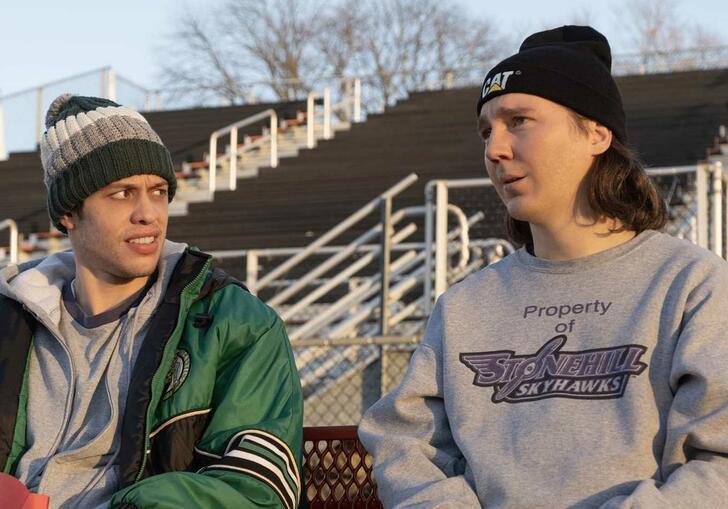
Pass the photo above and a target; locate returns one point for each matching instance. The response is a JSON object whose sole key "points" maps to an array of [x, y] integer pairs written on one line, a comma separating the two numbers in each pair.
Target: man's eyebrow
{"points": [[509, 112], [119, 185], [502, 112]]}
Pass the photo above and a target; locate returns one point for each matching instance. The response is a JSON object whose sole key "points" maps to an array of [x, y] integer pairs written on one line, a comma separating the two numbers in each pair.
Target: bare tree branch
{"points": [[661, 36], [294, 45]]}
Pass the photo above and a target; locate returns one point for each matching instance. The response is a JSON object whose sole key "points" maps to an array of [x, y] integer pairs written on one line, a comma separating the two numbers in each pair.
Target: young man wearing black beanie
{"points": [[588, 369], [133, 374]]}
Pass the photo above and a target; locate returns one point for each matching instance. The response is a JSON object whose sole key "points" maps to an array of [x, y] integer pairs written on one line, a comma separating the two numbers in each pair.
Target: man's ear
{"points": [[68, 222], [600, 137]]}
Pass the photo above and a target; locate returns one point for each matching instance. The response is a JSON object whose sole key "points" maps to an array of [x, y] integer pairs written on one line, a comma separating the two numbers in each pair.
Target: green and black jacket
{"points": [[214, 411]]}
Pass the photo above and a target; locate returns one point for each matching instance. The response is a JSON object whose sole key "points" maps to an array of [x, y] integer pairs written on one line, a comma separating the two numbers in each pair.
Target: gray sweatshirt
{"points": [[595, 382], [79, 373]]}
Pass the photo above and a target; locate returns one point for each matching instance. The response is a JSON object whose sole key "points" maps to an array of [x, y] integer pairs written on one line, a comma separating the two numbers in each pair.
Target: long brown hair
{"points": [[617, 187]]}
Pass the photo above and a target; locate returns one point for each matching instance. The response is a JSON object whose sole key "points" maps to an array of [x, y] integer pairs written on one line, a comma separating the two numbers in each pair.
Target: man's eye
{"points": [[160, 192], [485, 134], [516, 121], [121, 195]]}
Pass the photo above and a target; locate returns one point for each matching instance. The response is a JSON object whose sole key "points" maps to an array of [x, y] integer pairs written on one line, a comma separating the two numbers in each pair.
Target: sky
{"points": [[42, 41], [45, 40]]}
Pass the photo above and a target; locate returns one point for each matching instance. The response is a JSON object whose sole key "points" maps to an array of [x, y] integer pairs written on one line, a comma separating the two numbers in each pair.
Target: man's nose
{"points": [[144, 212], [498, 146]]}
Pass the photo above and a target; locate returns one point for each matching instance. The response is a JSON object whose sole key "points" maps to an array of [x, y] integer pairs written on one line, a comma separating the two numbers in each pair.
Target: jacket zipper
{"points": [[155, 377]]}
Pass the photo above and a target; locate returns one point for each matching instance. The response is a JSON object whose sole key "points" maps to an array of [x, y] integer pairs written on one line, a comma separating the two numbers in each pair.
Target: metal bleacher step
{"points": [[248, 166]]}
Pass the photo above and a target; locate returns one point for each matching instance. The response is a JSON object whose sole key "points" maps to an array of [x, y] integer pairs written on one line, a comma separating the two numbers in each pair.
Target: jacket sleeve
{"points": [[695, 458], [417, 464], [250, 451]]}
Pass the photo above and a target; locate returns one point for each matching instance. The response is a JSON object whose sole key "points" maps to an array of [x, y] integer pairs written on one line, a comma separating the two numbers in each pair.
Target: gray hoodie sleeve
{"points": [[417, 464], [695, 458]]}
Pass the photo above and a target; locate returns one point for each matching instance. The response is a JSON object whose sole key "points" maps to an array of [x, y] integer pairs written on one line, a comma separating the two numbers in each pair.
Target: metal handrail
{"points": [[343, 275], [3, 149], [232, 129], [13, 226], [351, 104], [330, 263], [329, 364], [340, 320], [335, 231], [411, 261], [311, 116], [437, 207]]}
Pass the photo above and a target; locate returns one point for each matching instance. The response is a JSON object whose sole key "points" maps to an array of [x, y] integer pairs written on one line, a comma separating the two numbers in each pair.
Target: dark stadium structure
{"points": [[673, 119]]}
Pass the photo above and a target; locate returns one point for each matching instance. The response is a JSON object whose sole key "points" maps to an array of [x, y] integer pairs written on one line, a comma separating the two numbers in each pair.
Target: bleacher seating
{"points": [[185, 132], [673, 119]]}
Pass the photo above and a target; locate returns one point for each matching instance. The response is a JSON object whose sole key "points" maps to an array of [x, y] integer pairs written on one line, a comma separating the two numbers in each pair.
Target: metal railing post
{"points": [[111, 84], [233, 158], [274, 140], [724, 233], [310, 121], [324, 239], [251, 269], [3, 149], [102, 81], [717, 212], [701, 182], [349, 95], [327, 113], [385, 267], [357, 100], [232, 130], [13, 226], [441, 238], [385, 262], [429, 234], [212, 174], [693, 229], [449, 79], [38, 115]]}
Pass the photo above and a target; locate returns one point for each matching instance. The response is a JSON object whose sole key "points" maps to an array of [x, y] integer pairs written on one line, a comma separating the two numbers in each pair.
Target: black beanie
{"points": [[571, 66]]}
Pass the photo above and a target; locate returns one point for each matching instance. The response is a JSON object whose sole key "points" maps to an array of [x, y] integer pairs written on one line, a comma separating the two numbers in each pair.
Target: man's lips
{"points": [[148, 246], [154, 234], [510, 179]]}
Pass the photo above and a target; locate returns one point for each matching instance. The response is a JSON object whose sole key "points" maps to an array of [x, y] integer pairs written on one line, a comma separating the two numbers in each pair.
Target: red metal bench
{"points": [[337, 470]]}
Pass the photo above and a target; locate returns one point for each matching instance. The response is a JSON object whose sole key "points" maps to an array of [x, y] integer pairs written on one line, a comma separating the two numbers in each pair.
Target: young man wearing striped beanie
{"points": [[134, 374], [588, 368]]}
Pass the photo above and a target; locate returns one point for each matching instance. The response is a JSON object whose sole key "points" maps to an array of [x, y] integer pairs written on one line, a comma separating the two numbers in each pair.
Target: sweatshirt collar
{"points": [[532, 262]]}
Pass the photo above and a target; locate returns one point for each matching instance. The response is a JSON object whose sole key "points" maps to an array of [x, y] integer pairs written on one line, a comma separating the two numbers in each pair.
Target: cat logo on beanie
{"points": [[497, 82]]}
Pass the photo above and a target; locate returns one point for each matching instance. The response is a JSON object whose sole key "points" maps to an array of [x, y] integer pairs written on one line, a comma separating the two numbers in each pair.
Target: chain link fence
{"points": [[342, 380]]}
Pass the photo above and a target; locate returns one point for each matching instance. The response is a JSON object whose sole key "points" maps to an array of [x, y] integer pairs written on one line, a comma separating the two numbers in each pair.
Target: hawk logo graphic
{"points": [[551, 373], [177, 373]]}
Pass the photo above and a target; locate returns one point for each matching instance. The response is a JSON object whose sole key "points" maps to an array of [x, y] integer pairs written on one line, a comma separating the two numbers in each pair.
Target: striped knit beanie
{"points": [[91, 142]]}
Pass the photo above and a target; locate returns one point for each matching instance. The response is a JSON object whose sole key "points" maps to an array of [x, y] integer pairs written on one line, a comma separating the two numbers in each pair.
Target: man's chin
{"points": [[519, 212], [139, 270]]}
